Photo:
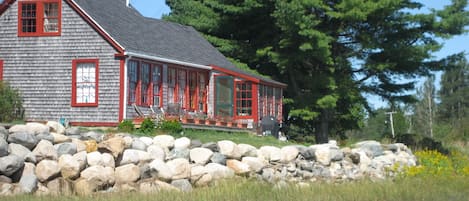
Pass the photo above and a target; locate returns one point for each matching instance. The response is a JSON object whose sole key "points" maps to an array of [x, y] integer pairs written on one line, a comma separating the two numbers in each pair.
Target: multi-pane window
{"points": [[156, 85], [28, 18], [181, 87], [145, 83], [202, 91], [171, 85], [85, 82], [278, 103], [39, 18], [51, 17], [193, 90], [133, 81], [244, 98]]}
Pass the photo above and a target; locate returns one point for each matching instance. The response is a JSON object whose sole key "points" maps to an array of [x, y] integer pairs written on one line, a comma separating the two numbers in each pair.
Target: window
{"points": [[171, 85], [193, 91], [278, 103], [243, 99], [145, 84], [39, 18], [133, 81], [85, 82], [202, 92], [181, 87], [156, 85]]}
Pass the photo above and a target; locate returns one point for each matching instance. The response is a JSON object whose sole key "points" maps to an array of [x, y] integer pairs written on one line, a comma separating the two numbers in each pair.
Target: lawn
{"points": [[415, 189], [237, 137]]}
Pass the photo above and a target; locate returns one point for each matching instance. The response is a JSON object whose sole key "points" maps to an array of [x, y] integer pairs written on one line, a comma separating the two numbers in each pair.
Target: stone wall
{"points": [[49, 159]]}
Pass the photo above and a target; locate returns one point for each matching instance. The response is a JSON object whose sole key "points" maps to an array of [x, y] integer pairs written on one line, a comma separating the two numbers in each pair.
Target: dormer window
{"points": [[39, 18]]}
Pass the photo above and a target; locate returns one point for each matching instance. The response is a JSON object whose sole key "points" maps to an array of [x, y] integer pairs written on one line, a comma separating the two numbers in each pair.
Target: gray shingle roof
{"points": [[154, 37]]}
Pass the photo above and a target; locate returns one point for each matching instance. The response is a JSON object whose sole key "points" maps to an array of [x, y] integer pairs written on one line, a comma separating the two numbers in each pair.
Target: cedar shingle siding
{"points": [[41, 68]]}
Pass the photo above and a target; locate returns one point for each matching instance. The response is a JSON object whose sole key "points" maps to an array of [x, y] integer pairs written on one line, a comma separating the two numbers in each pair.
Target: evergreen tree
{"points": [[454, 93], [328, 52]]}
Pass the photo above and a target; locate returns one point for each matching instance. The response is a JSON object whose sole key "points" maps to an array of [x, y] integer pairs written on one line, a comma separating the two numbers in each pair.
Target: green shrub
{"points": [[126, 126], [147, 127], [11, 106], [172, 126]]}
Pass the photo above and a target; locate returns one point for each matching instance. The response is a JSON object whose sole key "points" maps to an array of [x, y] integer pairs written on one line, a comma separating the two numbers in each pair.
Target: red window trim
{"points": [[1, 70], [253, 100], [39, 18], [138, 88], [74, 82], [160, 83]]}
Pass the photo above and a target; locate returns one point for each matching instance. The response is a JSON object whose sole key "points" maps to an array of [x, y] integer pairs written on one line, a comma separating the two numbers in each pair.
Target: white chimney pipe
{"points": [[127, 3]]}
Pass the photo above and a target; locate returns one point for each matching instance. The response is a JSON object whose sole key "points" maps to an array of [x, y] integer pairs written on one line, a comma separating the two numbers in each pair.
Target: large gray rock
{"points": [[45, 150], [180, 168], [3, 147], [108, 160], [28, 183], [60, 138], [154, 185], [200, 155], [255, 164], [114, 146], [218, 171], [182, 184], [195, 143], [147, 140], [127, 173], [28, 140], [66, 148], [229, 149], [138, 145], [81, 158], [178, 153], [23, 152], [98, 176], [94, 158], [200, 176], [45, 136], [37, 128], [134, 156], [182, 143], [156, 152], [47, 170], [56, 127], [269, 153], [371, 148], [74, 131], [247, 150], [288, 154], [60, 186], [81, 146], [18, 128], [306, 152], [10, 164], [161, 170], [93, 135], [218, 158], [3, 133], [212, 146], [69, 166], [164, 141]]}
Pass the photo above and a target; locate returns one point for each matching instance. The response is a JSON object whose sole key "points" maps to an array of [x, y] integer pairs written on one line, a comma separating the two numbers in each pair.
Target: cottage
{"points": [[93, 62]]}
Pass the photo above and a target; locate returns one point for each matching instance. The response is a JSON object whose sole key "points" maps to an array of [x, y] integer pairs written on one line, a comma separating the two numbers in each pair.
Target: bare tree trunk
{"points": [[430, 102]]}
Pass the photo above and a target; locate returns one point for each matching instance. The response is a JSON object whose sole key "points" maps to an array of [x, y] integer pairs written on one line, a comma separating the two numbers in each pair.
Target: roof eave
{"points": [[166, 60]]}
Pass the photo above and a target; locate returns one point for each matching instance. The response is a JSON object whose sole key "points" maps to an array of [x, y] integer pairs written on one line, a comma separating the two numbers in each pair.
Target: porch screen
{"points": [[224, 96]]}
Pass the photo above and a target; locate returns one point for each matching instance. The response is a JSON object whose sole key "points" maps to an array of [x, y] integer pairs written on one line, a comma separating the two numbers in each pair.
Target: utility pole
{"points": [[392, 124]]}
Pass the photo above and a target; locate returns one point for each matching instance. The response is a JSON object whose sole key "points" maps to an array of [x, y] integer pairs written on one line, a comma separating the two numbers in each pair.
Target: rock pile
{"points": [[49, 159]]}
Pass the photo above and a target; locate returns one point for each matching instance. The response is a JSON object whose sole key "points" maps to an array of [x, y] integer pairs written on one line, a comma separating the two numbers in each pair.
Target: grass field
{"points": [[239, 138], [412, 189]]}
